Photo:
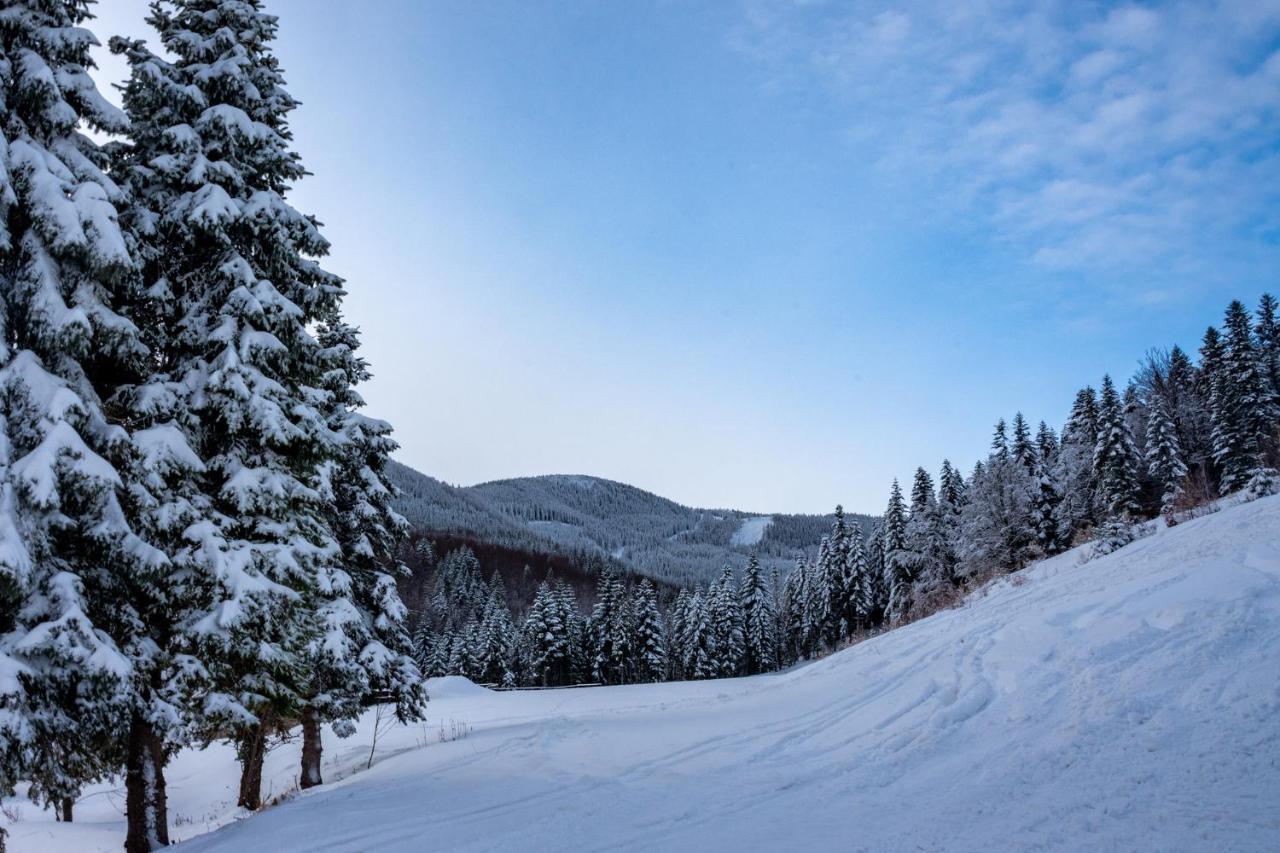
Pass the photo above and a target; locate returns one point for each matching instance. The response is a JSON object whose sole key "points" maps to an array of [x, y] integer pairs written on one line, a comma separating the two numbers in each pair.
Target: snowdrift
{"points": [[1129, 703]]}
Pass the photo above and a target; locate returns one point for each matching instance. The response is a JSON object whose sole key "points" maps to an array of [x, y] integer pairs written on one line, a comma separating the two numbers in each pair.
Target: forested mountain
{"points": [[582, 517]]}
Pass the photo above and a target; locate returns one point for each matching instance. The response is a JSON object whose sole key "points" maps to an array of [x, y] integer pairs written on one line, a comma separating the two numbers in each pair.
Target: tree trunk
{"points": [[252, 749], [66, 806], [145, 805], [311, 748]]}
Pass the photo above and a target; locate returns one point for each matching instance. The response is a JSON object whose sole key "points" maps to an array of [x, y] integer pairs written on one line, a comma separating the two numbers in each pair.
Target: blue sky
{"points": [[771, 255]]}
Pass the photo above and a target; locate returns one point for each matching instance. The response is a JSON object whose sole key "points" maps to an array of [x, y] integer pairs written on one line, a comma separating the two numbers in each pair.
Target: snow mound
{"points": [[1126, 703], [451, 686]]}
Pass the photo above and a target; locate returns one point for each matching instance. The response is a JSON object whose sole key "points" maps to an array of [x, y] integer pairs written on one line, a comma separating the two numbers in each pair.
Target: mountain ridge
{"points": [[598, 519]]}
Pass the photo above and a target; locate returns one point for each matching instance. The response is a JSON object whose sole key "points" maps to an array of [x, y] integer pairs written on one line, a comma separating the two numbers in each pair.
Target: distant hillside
{"points": [[579, 516]]}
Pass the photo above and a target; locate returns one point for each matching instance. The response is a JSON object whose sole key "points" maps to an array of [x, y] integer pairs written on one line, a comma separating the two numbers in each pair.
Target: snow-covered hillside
{"points": [[1129, 703], [649, 534]]}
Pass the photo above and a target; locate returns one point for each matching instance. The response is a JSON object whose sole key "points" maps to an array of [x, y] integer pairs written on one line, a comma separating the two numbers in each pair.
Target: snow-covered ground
{"points": [[751, 531], [1129, 703]]}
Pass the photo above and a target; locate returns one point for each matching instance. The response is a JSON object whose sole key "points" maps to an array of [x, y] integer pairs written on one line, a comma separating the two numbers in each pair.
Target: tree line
{"points": [[195, 527], [1181, 434]]}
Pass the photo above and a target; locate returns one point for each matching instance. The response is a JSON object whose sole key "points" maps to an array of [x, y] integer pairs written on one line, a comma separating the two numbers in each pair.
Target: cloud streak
{"points": [[1107, 139]]}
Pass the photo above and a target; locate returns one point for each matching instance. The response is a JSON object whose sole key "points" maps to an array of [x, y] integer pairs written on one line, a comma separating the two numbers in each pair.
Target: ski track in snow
{"points": [[1129, 703], [751, 531]]}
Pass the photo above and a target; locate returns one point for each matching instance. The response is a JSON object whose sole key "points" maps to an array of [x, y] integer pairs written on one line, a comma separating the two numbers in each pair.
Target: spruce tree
{"points": [[78, 620], [1164, 458], [1209, 386], [1243, 410], [1115, 459], [1000, 440], [1075, 474], [898, 569], [861, 584], [649, 635], [760, 651], [360, 646], [1023, 449], [926, 540], [1045, 510], [1046, 444], [1189, 413], [1267, 334], [877, 586], [231, 271], [610, 631], [725, 627]]}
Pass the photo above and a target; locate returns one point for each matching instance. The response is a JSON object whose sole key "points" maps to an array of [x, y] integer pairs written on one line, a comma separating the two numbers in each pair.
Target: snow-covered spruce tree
{"points": [[495, 643], [611, 631], [1046, 445], [694, 638], [725, 624], [1115, 460], [1189, 412], [76, 619], [1023, 449], [1209, 385], [861, 584], [877, 585], [897, 562], [1164, 458], [850, 570], [675, 630], [1244, 410], [1000, 440], [996, 529], [1266, 332], [835, 582], [760, 647], [360, 647], [789, 641], [1048, 494], [547, 637], [926, 543], [649, 635], [232, 270], [1044, 510], [1075, 475]]}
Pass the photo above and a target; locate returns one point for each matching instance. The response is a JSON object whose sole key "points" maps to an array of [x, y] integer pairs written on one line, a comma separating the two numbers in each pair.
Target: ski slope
{"points": [[1128, 703]]}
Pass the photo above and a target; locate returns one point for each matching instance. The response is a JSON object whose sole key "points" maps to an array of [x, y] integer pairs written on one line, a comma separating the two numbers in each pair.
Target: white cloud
{"points": [[1134, 138]]}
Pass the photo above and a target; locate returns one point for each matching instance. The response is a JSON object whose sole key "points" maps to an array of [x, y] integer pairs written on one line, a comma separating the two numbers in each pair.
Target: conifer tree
{"points": [[1046, 445], [760, 652], [77, 638], [1075, 474], [649, 640], [1164, 458], [230, 268], [611, 631], [877, 586], [1000, 440], [1267, 335], [360, 646], [1023, 449], [861, 585], [725, 626], [1243, 410], [898, 569], [1045, 510], [1115, 459], [996, 524]]}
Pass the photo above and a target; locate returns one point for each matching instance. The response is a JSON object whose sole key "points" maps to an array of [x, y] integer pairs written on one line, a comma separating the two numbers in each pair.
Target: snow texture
{"points": [[1125, 703]]}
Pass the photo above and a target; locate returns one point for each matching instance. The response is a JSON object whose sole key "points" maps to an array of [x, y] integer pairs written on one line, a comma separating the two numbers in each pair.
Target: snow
{"points": [[751, 531], [1128, 702]]}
